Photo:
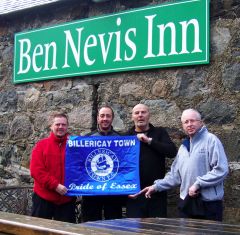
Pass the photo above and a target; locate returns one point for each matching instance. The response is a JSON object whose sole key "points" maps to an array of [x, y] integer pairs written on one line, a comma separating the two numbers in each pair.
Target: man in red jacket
{"points": [[47, 170]]}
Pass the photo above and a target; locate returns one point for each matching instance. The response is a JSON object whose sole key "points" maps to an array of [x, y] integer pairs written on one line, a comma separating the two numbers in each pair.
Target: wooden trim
{"points": [[26, 225]]}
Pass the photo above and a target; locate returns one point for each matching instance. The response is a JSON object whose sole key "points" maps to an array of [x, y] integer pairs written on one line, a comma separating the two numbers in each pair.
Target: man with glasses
{"points": [[200, 168]]}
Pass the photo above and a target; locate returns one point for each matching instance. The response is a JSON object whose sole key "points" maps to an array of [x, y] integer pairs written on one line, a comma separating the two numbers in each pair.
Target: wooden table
{"points": [[166, 226], [26, 225]]}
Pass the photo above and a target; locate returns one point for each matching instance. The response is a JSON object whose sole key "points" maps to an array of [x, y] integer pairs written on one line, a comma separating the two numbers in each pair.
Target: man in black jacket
{"points": [[93, 206], [155, 146]]}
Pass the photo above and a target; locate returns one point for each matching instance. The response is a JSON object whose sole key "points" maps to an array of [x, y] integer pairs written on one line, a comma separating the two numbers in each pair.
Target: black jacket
{"points": [[97, 132], [152, 156]]}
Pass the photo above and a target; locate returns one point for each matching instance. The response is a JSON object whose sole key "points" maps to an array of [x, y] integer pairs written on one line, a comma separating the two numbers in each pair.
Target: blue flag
{"points": [[102, 165]]}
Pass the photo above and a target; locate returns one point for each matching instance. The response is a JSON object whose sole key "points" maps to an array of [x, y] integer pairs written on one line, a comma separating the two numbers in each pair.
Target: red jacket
{"points": [[47, 168]]}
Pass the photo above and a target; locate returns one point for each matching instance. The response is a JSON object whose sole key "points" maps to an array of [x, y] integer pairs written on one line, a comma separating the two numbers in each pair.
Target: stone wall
{"points": [[213, 89]]}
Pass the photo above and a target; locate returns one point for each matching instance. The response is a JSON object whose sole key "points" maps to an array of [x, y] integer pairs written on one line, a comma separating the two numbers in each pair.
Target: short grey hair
{"points": [[192, 110]]}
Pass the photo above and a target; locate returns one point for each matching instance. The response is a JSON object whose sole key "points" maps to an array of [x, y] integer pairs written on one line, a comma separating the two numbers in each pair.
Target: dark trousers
{"points": [[142, 207], [213, 210], [48, 210], [101, 207]]}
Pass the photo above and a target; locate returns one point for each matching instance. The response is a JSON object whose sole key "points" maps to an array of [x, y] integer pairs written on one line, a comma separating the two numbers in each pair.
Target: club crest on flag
{"points": [[102, 165]]}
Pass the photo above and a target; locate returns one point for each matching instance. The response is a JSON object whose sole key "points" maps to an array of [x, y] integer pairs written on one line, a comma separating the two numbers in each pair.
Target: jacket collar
{"points": [[132, 130], [186, 142], [59, 140], [103, 132]]}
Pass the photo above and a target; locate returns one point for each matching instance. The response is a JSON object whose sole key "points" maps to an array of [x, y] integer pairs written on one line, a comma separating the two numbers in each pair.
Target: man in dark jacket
{"points": [[47, 170], [93, 206], [155, 146]]}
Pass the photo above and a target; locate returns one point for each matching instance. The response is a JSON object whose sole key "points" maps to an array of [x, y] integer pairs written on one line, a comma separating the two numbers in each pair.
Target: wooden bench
{"points": [[26, 225]]}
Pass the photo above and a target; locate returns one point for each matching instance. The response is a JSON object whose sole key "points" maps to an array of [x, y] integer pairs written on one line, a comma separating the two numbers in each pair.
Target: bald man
{"points": [[155, 146], [199, 169]]}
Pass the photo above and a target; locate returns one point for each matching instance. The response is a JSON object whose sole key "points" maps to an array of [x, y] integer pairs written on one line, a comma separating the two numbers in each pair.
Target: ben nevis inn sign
{"points": [[172, 34]]}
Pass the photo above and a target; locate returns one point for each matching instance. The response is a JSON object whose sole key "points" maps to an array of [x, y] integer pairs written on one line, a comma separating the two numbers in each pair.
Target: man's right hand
{"points": [[148, 191]]}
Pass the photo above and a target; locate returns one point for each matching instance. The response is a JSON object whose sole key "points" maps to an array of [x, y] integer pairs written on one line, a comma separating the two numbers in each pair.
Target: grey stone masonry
{"points": [[213, 89]]}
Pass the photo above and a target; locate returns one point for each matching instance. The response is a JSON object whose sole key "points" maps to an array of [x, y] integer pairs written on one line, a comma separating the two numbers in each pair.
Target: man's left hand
{"points": [[61, 189], [193, 191], [144, 138]]}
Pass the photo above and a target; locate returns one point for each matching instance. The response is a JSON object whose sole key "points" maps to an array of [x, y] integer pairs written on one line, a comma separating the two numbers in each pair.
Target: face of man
{"points": [[191, 122], [59, 126], [140, 117], [105, 119]]}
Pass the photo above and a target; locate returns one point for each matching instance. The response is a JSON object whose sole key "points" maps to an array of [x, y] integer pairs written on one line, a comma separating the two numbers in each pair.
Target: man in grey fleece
{"points": [[200, 168]]}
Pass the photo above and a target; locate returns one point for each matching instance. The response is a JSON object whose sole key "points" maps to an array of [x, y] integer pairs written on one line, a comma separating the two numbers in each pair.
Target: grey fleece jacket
{"points": [[202, 162]]}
